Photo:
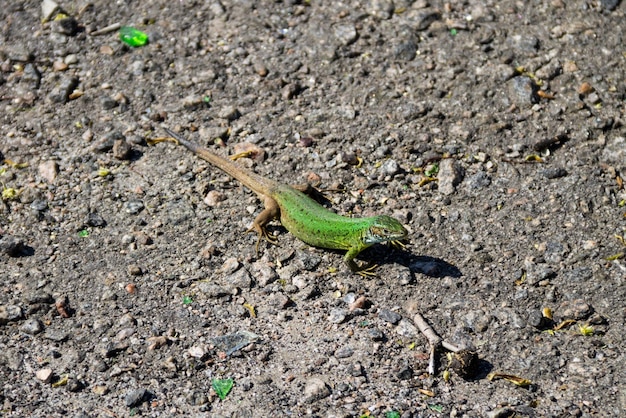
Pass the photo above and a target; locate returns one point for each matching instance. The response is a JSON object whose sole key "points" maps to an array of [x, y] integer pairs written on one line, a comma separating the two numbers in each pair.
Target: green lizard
{"points": [[302, 216]]}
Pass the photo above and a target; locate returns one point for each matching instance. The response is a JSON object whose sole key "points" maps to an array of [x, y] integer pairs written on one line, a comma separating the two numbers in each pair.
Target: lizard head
{"points": [[384, 228]]}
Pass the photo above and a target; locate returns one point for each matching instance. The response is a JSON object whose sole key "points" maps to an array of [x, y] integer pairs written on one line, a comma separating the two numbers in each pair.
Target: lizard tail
{"points": [[258, 184]]}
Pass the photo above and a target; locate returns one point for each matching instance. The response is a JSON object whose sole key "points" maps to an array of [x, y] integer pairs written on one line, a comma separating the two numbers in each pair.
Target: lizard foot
{"points": [[262, 234], [365, 270], [398, 244]]}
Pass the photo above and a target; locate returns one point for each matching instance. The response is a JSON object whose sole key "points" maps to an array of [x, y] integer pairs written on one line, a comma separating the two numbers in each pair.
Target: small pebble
{"points": [[197, 351], [61, 93], [56, 335], [376, 334], [229, 113], [39, 205], [45, 375], [308, 261], [553, 173], [525, 43], [48, 9], [49, 170], [241, 279], [585, 89], [95, 220], [406, 329], [230, 265], [124, 333], [337, 316], [135, 397], [11, 246], [100, 390], [214, 197], [32, 326], [65, 26], [523, 91], [261, 69], [122, 150], [108, 103], [349, 158], [134, 206], [389, 316], [315, 389], [10, 313], [344, 352], [424, 18], [359, 304], [576, 309], [59, 66], [405, 373], [264, 273], [390, 167], [279, 301], [71, 59], [345, 33], [355, 369], [449, 176], [478, 181]]}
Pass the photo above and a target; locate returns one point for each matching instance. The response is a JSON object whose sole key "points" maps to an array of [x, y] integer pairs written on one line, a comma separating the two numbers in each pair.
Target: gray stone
{"points": [[10, 313], [134, 206], [337, 316], [315, 389], [389, 316], [48, 9], [11, 246], [449, 176], [32, 326], [61, 92], [135, 397], [241, 279], [523, 91]]}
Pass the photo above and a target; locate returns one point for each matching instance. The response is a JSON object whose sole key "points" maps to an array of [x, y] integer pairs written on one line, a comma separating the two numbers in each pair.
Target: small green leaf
{"points": [[436, 408], [222, 387], [187, 300], [103, 172], [431, 170], [9, 193], [132, 36], [392, 414], [84, 233], [586, 330]]}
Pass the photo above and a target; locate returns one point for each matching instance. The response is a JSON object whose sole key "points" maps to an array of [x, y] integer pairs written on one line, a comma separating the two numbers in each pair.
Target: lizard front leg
{"points": [[271, 211], [365, 270]]}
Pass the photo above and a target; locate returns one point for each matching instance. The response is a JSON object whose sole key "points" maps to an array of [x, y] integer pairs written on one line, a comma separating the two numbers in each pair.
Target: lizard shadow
{"points": [[430, 266], [427, 265]]}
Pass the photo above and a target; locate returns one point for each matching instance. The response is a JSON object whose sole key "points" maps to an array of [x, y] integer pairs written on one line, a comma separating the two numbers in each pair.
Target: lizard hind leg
{"points": [[262, 234], [271, 211]]}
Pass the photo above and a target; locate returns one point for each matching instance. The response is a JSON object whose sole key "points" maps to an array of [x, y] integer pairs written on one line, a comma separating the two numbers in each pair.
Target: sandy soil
{"points": [[494, 130]]}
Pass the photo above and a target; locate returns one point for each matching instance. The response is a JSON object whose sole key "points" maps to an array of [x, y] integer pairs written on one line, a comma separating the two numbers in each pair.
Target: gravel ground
{"points": [[130, 288]]}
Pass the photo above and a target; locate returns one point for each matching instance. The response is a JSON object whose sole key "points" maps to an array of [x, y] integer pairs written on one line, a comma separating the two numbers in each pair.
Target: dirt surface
{"points": [[128, 285]]}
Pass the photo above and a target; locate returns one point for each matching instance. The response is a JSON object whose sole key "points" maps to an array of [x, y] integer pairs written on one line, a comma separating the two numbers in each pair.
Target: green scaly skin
{"points": [[302, 216]]}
